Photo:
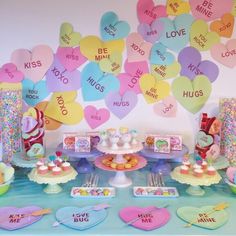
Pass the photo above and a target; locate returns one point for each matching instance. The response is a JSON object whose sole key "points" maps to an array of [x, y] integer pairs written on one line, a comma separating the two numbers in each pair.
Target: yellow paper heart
{"points": [[31, 112], [152, 89], [162, 72], [113, 64], [177, 7], [233, 11], [95, 49], [63, 108]]}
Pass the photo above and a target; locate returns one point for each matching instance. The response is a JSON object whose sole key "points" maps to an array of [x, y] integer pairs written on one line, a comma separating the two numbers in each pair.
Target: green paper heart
{"points": [[69, 38], [204, 140], [192, 95], [36, 150], [7, 171], [208, 221]]}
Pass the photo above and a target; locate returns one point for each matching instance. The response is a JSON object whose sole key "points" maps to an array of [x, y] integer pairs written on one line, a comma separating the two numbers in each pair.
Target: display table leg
{"points": [[161, 166], [120, 180], [195, 190], [52, 189], [84, 166]]}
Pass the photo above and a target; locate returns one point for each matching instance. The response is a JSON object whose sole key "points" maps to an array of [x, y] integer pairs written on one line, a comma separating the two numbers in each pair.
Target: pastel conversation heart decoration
{"points": [[119, 105], [230, 172], [150, 217], [10, 74], [59, 79], [33, 93], [200, 217], [12, 218], [152, 32], [204, 140], [162, 72], [70, 58], [35, 150], [69, 38], [137, 48], [166, 108], [96, 117], [177, 7], [159, 55], [200, 38], [28, 124], [191, 65], [175, 35], [130, 79], [111, 28], [225, 54], [233, 11], [112, 64], [34, 64], [224, 27], [147, 11], [192, 95], [209, 10], [80, 218], [95, 49], [64, 108], [213, 152], [95, 84], [152, 89]]}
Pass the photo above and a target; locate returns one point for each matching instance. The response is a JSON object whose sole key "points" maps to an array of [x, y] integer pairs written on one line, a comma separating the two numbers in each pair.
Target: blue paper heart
{"points": [[33, 93], [175, 35], [160, 56], [96, 84], [80, 218], [111, 28]]}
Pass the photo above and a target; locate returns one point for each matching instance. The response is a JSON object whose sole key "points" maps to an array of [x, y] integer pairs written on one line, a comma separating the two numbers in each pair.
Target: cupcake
{"points": [[211, 170], [39, 163], [186, 163], [51, 165], [56, 170], [196, 166], [184, 169], [198, 172], [65, 166], [204, 165], [58, 161], [42, 170]]}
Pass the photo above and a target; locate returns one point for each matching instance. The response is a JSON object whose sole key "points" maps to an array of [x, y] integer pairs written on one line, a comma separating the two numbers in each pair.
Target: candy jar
{"points": [[103, 137]]}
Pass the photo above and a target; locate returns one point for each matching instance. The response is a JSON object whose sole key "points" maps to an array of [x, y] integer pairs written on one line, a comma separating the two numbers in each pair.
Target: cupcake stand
{"points": [[195, 182], [21, 160]]}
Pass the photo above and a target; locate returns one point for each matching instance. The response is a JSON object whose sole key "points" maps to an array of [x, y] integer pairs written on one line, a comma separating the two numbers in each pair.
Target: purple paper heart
{"points": [[119, 105], [151, 33], [59, 79], [12, 218], [191, 65], [28, 123]]}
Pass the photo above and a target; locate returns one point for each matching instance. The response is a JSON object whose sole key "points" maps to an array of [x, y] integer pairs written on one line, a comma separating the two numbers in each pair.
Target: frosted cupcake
{"points": [[56, 170], [211, 170], [51, 165], [204, 165], [184, 169], [42, 170], [186, 163], [39, 163], [65, 166], [198, 172], [196, 166]]}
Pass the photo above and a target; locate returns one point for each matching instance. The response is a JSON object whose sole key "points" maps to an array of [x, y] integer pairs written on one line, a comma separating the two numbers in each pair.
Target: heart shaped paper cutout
{"points": [[31, 112], [95, 49], [200, 38], [10, 74], [204, 140], [8, 171], [111, 28], [96, 117], [191, 65], [150, 217], [230, 172], [34, 64], [95, 84], [28, 124], [60, 80], [152, 89], [210, 10], [80, 218], [225, 54], [130, 79], [162, 72], [177, 7], [190, 214], [119, 105], [137, 48], [63, 108], [112, 64], [70, 58], [166, 108], [160, 56], [213, 152], [33, 93], [233, 11], [69, 38], [36, 150], [223, 27], [192, 95], [147, 11], [152, 32], [11, 218], [175, 35]]}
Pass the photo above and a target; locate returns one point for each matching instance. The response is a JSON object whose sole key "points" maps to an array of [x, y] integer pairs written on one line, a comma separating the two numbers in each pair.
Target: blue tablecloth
{"points": [[23, 193]]}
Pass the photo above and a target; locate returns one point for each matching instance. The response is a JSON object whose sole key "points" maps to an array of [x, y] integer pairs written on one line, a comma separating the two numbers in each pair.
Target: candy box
{"points": [[69, 140], [82, 143], [149, 140], [94, 138], [162, 144], [175, 142]]}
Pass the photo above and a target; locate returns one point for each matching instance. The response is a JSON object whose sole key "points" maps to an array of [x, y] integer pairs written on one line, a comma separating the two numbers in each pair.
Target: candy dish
{"points": [[93, 192], [6, 177]]}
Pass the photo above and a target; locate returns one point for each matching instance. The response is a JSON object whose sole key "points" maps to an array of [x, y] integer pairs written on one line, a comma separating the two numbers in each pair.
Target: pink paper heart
{"points": [[147, 12], [225, 54], [70, 58], [166, 108], [213, 152], [130, 79], [230, 172], [10, 74], [34, 64], [137, 48], [150, 217], [96, 117]]}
